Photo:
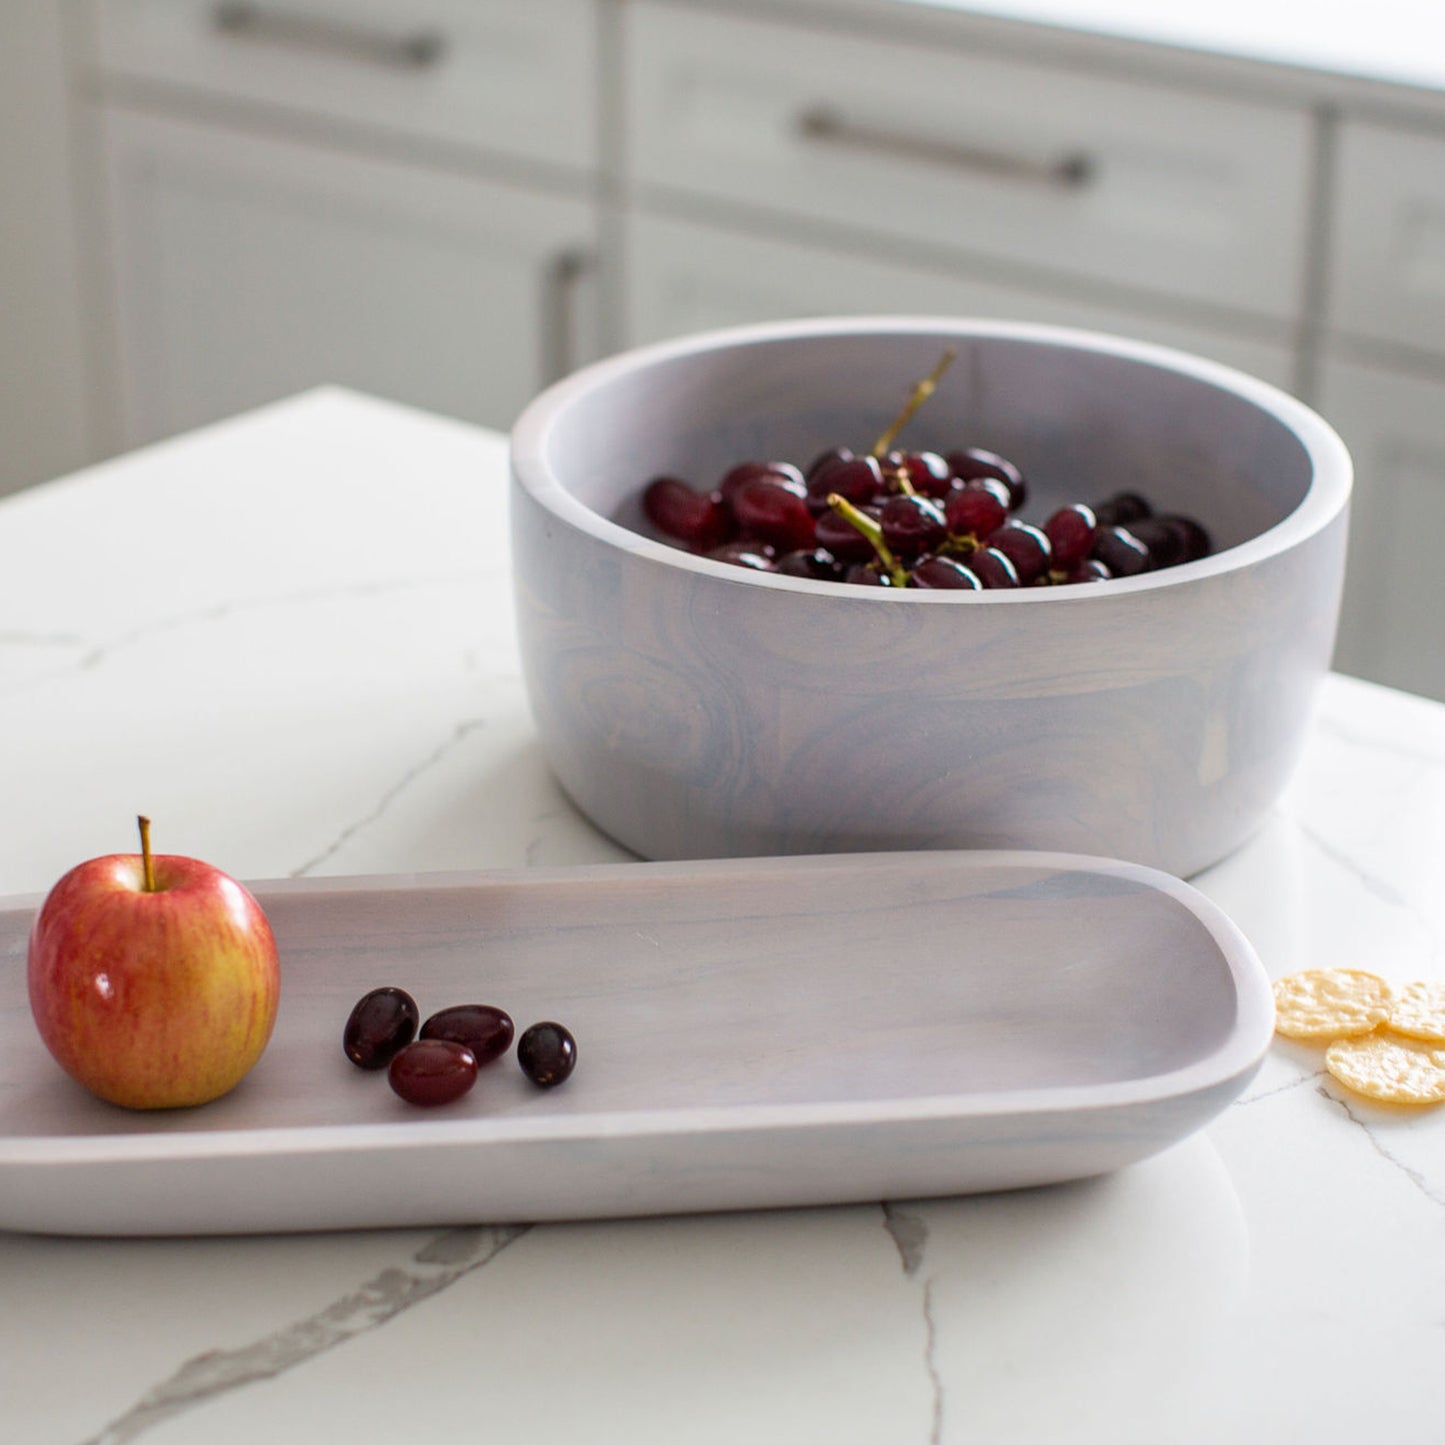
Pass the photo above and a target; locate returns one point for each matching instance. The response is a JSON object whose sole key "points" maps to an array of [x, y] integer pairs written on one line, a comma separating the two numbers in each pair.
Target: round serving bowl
{"points": [[692, 708]]}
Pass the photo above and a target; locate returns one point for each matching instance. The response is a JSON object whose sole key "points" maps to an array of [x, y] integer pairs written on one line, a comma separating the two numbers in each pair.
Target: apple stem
{"points": [[920, 394], [147, 863]]}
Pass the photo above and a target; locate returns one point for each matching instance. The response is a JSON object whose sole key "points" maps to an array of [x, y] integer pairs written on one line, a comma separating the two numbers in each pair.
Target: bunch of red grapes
{"points": [[915, 519]]}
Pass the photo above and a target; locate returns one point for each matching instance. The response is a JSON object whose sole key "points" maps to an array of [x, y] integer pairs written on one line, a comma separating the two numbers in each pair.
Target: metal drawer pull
{"points": [[561, 277], [418, 51], [828, 127]]}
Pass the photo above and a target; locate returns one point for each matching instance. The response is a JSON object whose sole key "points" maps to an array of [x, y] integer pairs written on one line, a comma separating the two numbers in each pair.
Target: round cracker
{"points": [[1330, 1003], [1418, 1010], [1382, 1066]]}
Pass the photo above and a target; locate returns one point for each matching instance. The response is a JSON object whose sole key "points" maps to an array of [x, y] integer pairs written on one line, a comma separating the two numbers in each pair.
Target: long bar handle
{"points": [[561, 279], [826, 126], [419, 50]]}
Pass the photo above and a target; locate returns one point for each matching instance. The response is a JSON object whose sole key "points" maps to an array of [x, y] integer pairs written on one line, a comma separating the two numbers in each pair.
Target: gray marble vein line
{"points": [[930, 1361], [535, 844], [1288, 1088], [101, 652], [909, 1233], [1371, 742], [438, 1265], [1413, 1175], [459, 734], [41, 639], [1382, 888]]}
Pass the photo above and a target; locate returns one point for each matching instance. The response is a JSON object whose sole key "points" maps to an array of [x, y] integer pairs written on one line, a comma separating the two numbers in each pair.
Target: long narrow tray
{"points": [[751, 1033]]}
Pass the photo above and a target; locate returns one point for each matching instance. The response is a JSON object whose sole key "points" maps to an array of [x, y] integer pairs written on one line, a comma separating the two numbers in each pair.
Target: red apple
{"points": [[153, 979]]}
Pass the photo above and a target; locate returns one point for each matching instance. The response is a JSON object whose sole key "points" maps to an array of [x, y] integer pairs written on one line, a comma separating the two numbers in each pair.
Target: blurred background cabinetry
{"points": [[396, 197], [453, 202]]}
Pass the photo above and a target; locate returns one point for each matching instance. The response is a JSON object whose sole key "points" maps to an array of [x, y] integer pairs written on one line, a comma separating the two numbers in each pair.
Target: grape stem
{"points": [[147, 862], [919, 395], [863, 523]]}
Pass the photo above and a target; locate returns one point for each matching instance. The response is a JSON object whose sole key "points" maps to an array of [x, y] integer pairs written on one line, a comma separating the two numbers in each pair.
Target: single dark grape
{"points": [[1121, 509], [1197, 541], [992, 568], [819, 564], [1171, 540], [485, 1030], [974, 510], [971, 463], [1121, 551], [547, 1053], [857, 479], [382, 1022], [1071, 532], [927, 472], [938, 573], [743, 552], [867, 574], [1089, 570], [768, 512], [780, 474], [911, 525], [840, 537], [432, 1071], [1026, 547], [698, 520], [826, 459]]}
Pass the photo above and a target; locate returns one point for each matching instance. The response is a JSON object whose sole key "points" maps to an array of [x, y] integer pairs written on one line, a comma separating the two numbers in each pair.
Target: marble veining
{"points": [[909, 1233], [436, 1266], [1181, 1299], [459, 734], [1356, 1117]]}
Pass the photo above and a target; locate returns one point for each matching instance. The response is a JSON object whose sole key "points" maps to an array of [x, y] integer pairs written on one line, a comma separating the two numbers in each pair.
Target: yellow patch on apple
{"points": [[154, 979]]}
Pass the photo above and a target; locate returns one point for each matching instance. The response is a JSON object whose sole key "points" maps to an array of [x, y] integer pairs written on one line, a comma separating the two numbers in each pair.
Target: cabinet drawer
{"points": [[504, 75], [1388, 281], [1394, 426], [684, 277], [1127, 183], [245, 268]]}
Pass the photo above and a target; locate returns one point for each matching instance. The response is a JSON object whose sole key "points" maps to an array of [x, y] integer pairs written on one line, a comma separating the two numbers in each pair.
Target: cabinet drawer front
{"points": [[1394, 426], [1389, 255], [1127, 183], [503, 75], [244, 269], [684, 277]]}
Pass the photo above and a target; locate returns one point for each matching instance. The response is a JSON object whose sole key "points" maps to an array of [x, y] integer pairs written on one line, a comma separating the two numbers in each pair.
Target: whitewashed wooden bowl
{"points": [[695, 709]]}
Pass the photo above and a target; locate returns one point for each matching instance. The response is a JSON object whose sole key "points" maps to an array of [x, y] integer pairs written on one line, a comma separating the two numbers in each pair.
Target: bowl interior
{"points": [[1083, 418]]}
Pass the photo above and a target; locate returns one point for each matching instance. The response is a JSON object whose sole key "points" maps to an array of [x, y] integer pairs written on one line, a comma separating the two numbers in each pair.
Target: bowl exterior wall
{"points": [[691, 714]]}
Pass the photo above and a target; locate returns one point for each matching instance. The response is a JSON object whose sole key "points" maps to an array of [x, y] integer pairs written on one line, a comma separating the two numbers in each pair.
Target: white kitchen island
{"points": [[288, 640]]}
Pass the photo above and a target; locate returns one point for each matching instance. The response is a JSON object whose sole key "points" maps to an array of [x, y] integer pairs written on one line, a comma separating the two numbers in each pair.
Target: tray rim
{"points": [[1237, 1056]]}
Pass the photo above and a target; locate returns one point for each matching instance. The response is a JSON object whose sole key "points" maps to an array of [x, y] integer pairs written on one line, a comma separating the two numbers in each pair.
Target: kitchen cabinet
{"points": [[684, 276], [245, 268], [1394, 425], [452, 202], [1382, 384], [397, 198], [1050, 171]]}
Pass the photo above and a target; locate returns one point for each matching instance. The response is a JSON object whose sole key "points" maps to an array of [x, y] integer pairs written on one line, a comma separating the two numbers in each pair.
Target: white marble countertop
{"points": [[288, 639]]}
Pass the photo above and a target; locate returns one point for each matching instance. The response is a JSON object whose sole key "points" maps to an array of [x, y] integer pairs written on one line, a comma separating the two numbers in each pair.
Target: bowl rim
{"points": [[1325, 498]]}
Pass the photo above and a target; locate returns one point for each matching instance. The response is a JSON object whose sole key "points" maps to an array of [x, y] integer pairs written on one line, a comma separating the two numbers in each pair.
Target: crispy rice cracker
{"points": [[1330, 1003], [1384, 1066]]}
